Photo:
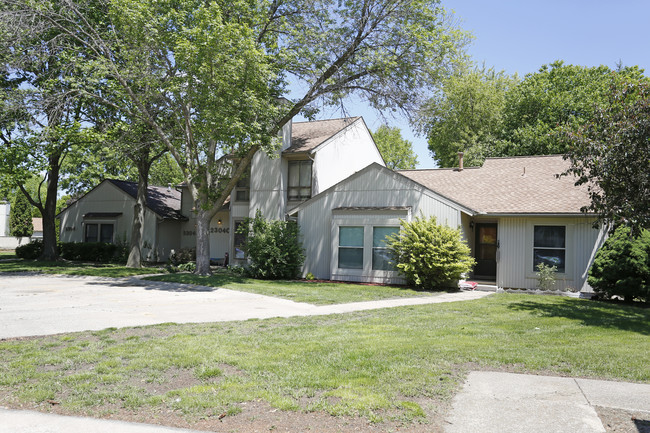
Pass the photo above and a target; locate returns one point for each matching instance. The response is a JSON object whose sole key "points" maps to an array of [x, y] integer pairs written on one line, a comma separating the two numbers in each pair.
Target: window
{"points": [[549, 247], [239, 241], [351, 247], [380, 256], [242, 192], [99, 233], [299, 180]]}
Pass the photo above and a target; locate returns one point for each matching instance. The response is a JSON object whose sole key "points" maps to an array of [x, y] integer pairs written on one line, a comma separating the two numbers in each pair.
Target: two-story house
{"points": [[313, 157]]}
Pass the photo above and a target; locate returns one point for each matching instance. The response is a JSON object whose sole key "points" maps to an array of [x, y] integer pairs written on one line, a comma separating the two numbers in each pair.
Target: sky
{"points": [[519, 36]]}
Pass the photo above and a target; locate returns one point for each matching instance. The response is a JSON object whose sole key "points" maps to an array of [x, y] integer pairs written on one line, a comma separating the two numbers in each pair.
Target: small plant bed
{"points": [[373, 371], [65, 267], [319, 293]]}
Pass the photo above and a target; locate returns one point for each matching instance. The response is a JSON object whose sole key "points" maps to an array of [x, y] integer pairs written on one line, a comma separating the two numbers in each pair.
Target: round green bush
{"points": [[430, 255], [622, 266], [30, 251]]}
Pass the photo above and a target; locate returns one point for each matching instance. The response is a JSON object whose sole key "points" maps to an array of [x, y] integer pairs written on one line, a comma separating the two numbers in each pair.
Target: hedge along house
{"points": [[105, 214], [313, 157], [514, 213]]}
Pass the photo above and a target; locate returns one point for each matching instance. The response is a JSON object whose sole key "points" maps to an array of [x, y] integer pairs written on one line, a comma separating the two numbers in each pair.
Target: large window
{"points": [[549, 246], [351, 247], [99, 233], [381, 259], [239, 241], [299, 180]]}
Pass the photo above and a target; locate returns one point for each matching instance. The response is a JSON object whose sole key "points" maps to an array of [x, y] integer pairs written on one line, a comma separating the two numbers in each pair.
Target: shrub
{"points": [[430, 255], [184, 255], [546, 276], [30, 251], [92, 251], [187, 267], [622, 266], [273, 248]]}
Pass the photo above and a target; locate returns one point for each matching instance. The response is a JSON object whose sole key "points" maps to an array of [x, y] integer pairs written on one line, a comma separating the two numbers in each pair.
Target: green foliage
{"points": [[310, 276], [273, 248], [622, 266], [546, 276], [183, 255], [430, 255], [466, 116], [93, 252], [30, 251], [20, 216], [187, 267], [610, 155], [397, 152]]}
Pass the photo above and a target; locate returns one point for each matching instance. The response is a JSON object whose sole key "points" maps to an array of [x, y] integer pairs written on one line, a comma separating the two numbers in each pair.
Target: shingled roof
{"points": [[163, 201], [517, 185], [306, 136]]}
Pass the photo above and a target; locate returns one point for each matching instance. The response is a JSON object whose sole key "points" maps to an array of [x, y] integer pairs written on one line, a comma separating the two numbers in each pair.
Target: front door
{"points": [[486, 251]]}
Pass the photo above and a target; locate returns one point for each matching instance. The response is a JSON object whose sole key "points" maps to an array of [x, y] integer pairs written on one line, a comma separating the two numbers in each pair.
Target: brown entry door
{"points": [[486, 251]]}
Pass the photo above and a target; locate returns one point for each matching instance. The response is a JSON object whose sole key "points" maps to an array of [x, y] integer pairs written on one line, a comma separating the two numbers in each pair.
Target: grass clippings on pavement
{"points": [[318, 293], [392, 368]]}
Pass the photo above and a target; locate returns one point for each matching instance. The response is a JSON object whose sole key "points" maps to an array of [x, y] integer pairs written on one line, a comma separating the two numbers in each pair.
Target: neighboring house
{"points": [[514, 213], [105, 214], [37, 224], [5, 211]]}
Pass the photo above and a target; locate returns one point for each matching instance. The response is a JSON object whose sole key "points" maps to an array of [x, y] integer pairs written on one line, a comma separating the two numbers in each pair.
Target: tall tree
{"points": [[41, 117], [610, 154], [220, 68], [466, 116], [397, 152], [20, 216]]}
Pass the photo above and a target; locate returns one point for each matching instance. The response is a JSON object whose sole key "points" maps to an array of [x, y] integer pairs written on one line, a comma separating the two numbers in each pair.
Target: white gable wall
{"points": [[344, 154], [4, 219]]}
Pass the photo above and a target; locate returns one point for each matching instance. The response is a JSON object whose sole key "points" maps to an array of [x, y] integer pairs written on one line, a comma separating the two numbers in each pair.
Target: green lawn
{"points": [[7, 254], [299, 291], [73, 268], [381, 365]]}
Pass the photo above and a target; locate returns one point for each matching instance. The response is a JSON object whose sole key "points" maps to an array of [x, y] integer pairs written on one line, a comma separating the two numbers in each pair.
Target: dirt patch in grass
{"points": [[623, 421]]}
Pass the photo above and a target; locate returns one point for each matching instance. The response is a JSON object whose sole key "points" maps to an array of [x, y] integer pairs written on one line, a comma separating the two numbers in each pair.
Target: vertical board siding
{"points": [[374, 187], [515, 256], [512, 253]]}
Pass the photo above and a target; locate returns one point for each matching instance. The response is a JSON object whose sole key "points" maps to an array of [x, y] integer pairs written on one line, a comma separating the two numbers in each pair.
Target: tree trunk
{"points": [[48, 212], [137, 229], [203, 242]]}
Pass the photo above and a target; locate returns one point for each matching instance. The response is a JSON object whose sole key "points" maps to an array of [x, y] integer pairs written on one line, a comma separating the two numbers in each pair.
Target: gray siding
{"points": [[515, 256], [371, 188]]}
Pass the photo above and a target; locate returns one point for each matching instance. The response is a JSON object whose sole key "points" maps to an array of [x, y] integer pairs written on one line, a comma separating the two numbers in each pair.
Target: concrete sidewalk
{"points": [[492, 402], [33, 305]]}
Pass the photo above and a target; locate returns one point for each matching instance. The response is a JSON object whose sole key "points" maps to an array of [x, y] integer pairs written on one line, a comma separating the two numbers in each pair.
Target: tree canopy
{"points": [[610, 155], [208, 78], [466, 116], [397, 152], [487, 114]]}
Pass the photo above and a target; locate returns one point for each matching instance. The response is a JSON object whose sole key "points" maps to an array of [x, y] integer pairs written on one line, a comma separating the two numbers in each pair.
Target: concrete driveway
{"points": [[52, 304]]}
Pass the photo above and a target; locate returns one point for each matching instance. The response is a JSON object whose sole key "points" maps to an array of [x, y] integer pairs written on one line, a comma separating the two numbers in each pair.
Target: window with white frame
{"points": [[99, 232], [549, 247], [299, 180], [381, 258], [350, 247]]}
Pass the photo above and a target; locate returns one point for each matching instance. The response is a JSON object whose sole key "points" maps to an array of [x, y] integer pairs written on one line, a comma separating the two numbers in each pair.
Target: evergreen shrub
{"points": [[430, 255], [273, 248], [622, 266]]}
